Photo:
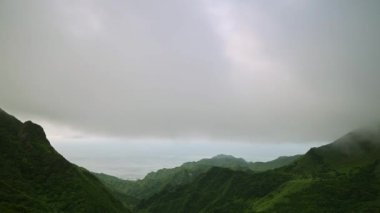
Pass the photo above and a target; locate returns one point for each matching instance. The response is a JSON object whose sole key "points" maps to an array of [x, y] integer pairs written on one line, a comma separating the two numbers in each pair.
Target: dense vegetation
{"points": [[162, 179], [218, 190], [35, 178], [343, 176], [356, 191]]}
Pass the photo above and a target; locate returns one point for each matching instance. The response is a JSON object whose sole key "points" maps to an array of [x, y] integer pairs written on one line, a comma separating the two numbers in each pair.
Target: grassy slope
{"points": [[354, 192], [155, 182], [216, 191], [277, 163], [280, 195], [340, 177], [274, 191]]}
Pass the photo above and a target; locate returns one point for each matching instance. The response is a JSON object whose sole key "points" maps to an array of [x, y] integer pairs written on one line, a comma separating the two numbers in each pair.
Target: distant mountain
{"points": [[221, 160], [343, 176], [155, 182], [35, 178]]}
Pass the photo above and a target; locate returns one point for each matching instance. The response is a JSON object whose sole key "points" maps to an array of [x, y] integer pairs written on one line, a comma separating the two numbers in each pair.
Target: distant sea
{"points": [[134, 158]]}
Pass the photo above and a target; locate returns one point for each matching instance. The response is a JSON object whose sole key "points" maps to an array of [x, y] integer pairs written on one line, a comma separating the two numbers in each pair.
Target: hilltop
{"points": [[34, 177]]}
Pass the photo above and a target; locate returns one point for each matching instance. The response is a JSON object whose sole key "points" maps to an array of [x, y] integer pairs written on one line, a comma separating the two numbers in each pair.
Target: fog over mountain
{"points": [[227, 70]]}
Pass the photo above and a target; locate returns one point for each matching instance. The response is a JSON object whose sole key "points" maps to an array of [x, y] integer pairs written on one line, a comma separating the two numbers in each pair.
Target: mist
{"points": [[235, 72]]}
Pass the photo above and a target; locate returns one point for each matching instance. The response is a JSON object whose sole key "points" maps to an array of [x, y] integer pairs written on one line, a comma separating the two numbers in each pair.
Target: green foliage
{"points": [[277, 163], [343, 176], [218, 190], [35, 178], [280, 195], [155, 182], [118, 187], [357, 191]]}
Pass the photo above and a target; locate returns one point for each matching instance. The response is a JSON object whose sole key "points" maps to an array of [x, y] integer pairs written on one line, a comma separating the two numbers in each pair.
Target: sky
{"points": [[191, 77]]}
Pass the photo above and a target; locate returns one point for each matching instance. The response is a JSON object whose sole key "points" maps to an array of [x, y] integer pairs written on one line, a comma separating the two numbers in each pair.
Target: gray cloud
{"points": [[230, 70]]}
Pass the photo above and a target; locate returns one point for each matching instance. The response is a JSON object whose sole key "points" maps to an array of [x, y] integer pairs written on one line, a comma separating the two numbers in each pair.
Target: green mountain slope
{"points": [[35, 178], [343, 176], [356, 148], [276, 163], [218, 190], [357, 191], [155, 182]]}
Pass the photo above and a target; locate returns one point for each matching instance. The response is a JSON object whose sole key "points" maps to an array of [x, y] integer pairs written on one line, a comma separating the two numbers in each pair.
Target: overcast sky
{"points": [[233, 71]]}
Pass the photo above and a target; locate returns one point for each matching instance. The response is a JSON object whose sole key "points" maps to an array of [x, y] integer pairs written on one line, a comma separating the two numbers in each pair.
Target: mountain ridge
{"points": [[36, 178], [325, 179], [342, 176], [168, 178]]}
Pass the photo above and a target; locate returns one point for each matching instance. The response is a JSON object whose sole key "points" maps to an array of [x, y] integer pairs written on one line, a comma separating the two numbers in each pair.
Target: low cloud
{"points": [[231, 71]]}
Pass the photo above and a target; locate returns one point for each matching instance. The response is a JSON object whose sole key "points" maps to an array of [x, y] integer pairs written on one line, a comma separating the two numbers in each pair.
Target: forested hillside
{"points": [[35, 178]]}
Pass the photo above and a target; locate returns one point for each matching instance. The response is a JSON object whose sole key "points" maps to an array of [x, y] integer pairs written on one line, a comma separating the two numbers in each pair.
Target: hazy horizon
{"points": [[133, 159]]}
